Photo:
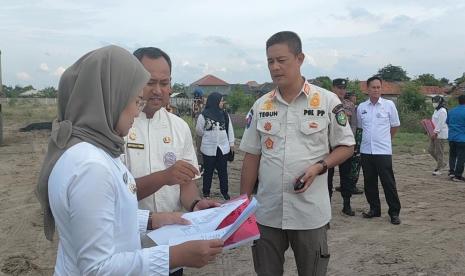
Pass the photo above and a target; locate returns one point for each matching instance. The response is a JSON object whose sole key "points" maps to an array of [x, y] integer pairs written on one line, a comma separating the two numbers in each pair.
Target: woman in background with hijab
{"points": [[212, 124], [439, 139], [85, 188]]}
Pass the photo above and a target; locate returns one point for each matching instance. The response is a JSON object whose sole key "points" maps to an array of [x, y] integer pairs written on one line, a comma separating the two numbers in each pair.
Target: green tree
{"points": [[411, 99], [49, 92], [427, 79], [444, 81], [354, 86], [238, 101], [179, 88], [460, 80], [393, 73], [325, 82]]}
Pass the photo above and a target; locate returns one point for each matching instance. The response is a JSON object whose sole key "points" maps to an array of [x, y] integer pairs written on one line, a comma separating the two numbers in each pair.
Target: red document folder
{"points": [[428, 126], [248, 231]]}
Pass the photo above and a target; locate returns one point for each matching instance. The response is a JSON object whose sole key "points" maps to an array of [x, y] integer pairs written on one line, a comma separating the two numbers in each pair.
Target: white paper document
{"points": [[202, 221], [204, 224]]}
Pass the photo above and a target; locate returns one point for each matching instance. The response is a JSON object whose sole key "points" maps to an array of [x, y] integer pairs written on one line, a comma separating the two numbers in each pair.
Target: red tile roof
{"points": [[388, 88], [210, 80], [433, 90], [393, 88]]}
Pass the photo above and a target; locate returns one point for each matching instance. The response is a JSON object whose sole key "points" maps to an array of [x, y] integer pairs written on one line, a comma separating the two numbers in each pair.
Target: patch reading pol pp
{"points": [[135, 146]]}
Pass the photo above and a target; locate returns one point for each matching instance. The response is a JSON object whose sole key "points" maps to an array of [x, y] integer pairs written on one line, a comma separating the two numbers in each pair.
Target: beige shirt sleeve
{"points": [[340, 133]]}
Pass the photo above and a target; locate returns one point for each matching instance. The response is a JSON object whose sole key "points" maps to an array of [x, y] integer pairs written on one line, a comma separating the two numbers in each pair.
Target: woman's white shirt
{"points": [[439, 121], [213, 136], [93, 201]]}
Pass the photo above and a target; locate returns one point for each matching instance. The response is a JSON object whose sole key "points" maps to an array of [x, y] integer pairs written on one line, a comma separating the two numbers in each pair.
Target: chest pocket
{"points": [[315, 133], [382, 116], [269, 126]]}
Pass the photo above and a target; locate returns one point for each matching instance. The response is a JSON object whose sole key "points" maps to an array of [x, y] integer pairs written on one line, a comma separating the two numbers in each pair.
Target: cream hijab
{"points": [[92, 94]]}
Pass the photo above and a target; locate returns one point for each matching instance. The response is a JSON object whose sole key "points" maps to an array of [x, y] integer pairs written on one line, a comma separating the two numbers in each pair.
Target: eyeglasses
{"points": [[140, 102]]}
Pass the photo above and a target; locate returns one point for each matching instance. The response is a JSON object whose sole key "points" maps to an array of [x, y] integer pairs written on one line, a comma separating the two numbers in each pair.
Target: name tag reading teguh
{"points": [[135, 146]]}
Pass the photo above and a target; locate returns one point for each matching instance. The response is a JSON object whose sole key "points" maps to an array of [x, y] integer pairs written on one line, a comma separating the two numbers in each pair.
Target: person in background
{"points": [[456, 123], [347, 187], [439, 138], [379, 121], [85, 188], [211, 125]]}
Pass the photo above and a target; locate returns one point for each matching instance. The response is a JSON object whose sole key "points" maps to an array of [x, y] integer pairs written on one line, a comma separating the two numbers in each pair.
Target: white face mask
{"points": [[435, 105]]}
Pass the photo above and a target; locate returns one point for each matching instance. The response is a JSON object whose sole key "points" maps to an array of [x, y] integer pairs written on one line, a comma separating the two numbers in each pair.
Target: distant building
{"points": [[392, 90], [209, 84], [389, 90], [30, 93]]}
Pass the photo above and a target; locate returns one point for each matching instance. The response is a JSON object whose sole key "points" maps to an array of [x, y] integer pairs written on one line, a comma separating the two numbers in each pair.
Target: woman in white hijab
{"points": [[85, 188]]}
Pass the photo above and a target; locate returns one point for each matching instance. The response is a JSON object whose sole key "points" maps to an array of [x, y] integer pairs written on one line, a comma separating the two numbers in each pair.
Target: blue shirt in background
{"points": [[456, 122]]}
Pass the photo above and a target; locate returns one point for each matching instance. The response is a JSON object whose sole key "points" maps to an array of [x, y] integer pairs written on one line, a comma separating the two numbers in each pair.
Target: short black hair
{"points": [[153, 53], [462, 99], [291, 39], [374, 78]]}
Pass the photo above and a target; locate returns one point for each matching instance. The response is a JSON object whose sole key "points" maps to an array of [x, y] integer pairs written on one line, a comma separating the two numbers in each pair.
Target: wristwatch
{"points": [[325, 166]]}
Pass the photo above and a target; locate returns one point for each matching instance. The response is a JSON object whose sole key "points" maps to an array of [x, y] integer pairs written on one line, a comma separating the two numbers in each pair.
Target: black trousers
{"points": [[347, 184], [375, 166], [456, 157], [220, 163]]}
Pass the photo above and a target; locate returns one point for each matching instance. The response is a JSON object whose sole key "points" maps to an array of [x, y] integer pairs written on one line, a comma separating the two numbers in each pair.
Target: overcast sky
{"points": [[341, 38]]}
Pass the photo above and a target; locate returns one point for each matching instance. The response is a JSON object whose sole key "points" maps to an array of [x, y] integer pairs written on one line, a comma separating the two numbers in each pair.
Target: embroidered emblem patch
{"points": [[338, 108], [306, 88], [315, 100], [132, 187], [268, 105], [132, 135], [249, 118], [313, 125], [169, 159], [267, 126], [269, 143], [166, 139], [341, 118]]}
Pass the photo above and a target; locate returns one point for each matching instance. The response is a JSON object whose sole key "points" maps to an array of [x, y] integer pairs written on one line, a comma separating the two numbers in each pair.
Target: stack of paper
{"points": [[234, 222]]}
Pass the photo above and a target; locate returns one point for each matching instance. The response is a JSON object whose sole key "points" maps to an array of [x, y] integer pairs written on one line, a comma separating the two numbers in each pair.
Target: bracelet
{"points": [[191, 209], [325, 166]]}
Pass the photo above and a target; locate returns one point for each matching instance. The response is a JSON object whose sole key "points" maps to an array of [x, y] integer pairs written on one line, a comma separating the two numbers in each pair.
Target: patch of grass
{"points": [[28, 112], [411, 143]]}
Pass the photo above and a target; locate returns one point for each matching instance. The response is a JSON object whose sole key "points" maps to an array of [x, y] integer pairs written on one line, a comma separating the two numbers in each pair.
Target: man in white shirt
{"points": [[379, 120], [159, 152]]}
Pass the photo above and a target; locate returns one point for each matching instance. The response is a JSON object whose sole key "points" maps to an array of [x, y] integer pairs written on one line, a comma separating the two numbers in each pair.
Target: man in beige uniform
{"points": [[159, 152], [288, 134]]}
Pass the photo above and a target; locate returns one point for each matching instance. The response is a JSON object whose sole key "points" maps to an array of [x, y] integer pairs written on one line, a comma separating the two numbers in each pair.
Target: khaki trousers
{"points": [[436, 149], [310, 251]]}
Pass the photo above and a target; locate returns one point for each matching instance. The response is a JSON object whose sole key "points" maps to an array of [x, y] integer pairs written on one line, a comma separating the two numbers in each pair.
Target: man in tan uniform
{"points": [[289, 133]]}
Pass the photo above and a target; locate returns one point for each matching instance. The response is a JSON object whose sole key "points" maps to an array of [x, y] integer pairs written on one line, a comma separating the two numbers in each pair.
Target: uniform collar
{"points": [[380, 101], [307, 89], [143, 116]]}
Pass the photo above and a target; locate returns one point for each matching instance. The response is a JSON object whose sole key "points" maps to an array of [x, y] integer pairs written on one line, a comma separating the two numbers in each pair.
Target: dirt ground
{"points": [[430, 240]]}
